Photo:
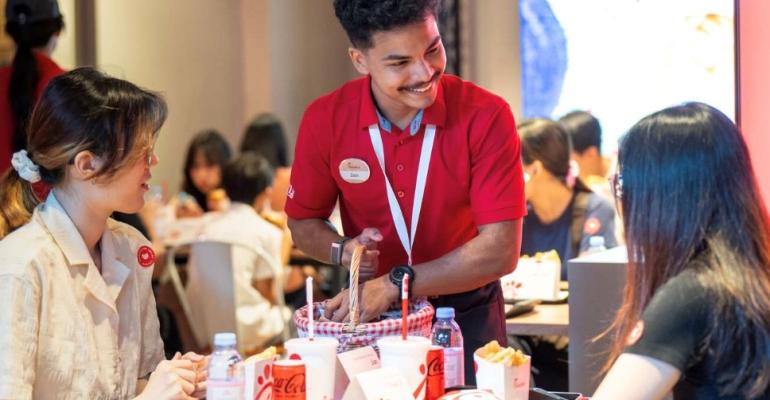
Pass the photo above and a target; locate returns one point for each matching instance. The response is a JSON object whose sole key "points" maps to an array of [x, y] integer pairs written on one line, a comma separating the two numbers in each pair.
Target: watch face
{"points": [[397, 275]]}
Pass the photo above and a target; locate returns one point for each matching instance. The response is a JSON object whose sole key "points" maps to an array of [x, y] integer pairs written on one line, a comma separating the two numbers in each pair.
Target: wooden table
{"points": [[545, 319]]}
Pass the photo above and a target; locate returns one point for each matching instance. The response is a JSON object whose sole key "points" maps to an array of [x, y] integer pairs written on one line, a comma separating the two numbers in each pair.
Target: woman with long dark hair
{"points": [[563, 213], [77, 312], [207, 155], [34, 25], [695, 317], [265, 136]]}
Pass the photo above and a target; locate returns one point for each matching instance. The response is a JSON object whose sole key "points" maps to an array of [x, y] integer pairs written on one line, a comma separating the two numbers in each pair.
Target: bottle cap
{"points": [[445, 312], [224, 339], [596, 241]]}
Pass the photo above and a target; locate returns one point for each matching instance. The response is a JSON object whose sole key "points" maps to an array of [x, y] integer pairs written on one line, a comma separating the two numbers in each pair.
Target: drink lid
{"points": [[224, 339], [445, 312]]}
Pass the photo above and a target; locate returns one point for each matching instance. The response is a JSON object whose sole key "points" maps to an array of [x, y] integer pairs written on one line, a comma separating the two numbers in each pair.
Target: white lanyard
{"points": [[407, 239]]}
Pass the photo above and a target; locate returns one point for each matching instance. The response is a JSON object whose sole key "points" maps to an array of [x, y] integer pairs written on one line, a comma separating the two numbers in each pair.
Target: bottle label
{"points": [[454, 370], [442, 337], [232, 390]]}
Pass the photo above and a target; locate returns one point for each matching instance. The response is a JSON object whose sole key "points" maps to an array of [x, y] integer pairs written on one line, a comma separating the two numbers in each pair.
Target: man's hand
{"points": [[369, 237], [375, 297]]}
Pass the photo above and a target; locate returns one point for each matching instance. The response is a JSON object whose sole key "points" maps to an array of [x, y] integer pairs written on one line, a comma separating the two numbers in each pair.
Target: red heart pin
{"points": [[145, 256]]}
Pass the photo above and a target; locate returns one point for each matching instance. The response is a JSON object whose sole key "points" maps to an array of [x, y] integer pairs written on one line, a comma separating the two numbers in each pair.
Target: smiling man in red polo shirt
{"points": [[425, 167]]}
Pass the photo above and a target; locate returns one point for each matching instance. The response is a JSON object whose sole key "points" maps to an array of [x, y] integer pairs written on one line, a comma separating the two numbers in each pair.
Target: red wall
{"points": [[754, 88]]}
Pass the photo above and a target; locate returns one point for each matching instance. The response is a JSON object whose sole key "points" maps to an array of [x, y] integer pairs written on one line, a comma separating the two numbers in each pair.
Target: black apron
{"points": [[481, 316]]}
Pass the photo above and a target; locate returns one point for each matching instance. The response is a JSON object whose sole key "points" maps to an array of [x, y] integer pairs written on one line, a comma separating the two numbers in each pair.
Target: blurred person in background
{"points": [[266, 137], [207, 155], [34, 26], [563, 213], [260, 316], [695, 317]]}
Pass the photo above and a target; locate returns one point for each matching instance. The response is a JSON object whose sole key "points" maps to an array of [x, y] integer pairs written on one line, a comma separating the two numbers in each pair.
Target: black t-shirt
{"points": [[676, 325]]}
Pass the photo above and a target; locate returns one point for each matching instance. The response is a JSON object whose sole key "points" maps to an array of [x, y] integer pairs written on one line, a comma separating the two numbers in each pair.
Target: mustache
{"points": [[421, 84]]}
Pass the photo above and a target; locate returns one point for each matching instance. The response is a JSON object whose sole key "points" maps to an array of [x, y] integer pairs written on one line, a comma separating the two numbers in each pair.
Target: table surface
{"points": [[545, 319]]}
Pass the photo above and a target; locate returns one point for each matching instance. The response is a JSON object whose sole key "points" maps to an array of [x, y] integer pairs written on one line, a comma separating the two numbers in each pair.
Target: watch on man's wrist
{"points": [[397, 275], [337, 249]]}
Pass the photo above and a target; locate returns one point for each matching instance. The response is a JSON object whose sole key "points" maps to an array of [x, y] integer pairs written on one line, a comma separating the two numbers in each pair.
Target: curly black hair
{"points": [[362, 18]]}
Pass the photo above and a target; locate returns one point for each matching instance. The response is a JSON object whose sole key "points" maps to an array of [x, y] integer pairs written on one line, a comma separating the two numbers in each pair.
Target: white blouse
{"points": [[67, 331]]}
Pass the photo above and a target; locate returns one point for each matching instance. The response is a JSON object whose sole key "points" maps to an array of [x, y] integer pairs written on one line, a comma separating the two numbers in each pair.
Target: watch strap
{"points": [[337, 249]]}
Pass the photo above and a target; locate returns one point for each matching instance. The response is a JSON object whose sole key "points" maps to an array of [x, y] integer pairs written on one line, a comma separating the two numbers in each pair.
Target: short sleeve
{"points": [[497, 182], [675, 322], [599, 221], [312, 191], [19, 321], [152, 344]]}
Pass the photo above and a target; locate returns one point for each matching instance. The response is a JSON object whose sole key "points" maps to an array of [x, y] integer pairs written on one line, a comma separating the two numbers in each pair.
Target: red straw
{"points": [[404, 304]]}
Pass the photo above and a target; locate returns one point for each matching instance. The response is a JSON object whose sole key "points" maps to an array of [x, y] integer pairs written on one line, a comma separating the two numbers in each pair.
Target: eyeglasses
{"points": [[616, 185], [150, 153]]}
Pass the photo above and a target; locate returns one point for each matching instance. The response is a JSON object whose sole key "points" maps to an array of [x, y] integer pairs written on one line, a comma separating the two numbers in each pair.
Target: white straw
{"points": [[309, 295]]}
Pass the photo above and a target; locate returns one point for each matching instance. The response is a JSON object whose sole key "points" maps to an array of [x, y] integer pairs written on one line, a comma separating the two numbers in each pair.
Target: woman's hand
{"points": [[201, 364], [172, 379]]}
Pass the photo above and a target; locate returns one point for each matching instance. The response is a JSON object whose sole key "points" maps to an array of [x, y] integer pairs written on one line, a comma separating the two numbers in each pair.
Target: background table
{"points": [[545, 319]]}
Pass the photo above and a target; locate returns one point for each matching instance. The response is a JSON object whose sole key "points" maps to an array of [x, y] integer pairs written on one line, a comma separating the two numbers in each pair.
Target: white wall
{"points": [[492, 47], [191, 52], [219, 63], [308, 57]]}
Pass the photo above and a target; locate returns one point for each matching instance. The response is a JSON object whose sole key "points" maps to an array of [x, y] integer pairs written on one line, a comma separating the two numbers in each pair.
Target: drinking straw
{"points": [[404, 304], [309, 296]]}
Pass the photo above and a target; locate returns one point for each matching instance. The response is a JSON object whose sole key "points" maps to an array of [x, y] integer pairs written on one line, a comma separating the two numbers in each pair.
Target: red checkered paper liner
{"points": [[418, 323]]}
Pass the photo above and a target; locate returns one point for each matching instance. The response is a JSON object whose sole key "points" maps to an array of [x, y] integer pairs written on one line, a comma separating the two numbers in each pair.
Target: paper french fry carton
{"points": [[504, 371]]}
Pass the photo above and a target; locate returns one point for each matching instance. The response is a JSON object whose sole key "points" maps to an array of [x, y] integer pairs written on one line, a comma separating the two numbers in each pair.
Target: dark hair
{"points": [[215, 150], [689, 190], [247, 177], [82, 110], [363, 18], [28, 33], [265, 136], [584, 129], [546, 141]]}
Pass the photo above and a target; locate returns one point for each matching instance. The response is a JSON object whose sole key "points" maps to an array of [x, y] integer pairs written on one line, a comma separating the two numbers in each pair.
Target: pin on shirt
{"points": [[354, 170], [146, 256]]}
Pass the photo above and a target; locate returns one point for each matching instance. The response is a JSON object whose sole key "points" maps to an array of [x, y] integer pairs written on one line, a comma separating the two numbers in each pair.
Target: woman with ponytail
{"points": [[34, 25], [77, 312], [695, 318], [563, 214]]}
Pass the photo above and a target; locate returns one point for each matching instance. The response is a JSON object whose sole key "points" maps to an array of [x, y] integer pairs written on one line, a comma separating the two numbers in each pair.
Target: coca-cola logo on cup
{"points": [[292, 384], [435, 367]]}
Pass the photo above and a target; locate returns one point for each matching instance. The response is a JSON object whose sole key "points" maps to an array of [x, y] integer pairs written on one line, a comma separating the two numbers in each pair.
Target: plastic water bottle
{"points": [[225, 380], [446, 333], [595, 244]]}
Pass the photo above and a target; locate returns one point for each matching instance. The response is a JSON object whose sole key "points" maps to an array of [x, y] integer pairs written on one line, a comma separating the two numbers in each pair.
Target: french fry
{"points": [[269, 352], [492, 352]]}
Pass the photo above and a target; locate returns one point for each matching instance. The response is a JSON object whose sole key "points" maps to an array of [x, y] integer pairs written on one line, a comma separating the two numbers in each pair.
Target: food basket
{"points": [[354, 334]]}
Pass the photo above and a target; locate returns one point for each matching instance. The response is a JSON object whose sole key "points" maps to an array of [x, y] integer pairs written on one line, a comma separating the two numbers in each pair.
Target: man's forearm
{"points": [[488, 256], [314, 237]]}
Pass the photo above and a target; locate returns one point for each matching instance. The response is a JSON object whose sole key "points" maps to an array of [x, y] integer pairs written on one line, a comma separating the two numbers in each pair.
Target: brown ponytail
{"points": [[17, 199]]}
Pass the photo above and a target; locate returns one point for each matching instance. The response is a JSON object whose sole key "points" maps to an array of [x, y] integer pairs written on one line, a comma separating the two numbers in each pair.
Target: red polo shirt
{"points": [[47, 70], [475, 175]]}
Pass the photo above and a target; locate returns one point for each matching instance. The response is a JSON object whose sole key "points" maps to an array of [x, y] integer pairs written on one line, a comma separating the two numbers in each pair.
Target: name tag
{"points": [[354, 170]]}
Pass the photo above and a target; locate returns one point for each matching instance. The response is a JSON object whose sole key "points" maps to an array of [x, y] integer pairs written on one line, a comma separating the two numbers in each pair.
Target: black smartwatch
{"points": [[397, 275]]}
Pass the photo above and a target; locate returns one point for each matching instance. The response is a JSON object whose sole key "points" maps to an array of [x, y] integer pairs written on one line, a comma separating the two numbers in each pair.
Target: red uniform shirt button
{"points": [[400, 193], [400, 167]]}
